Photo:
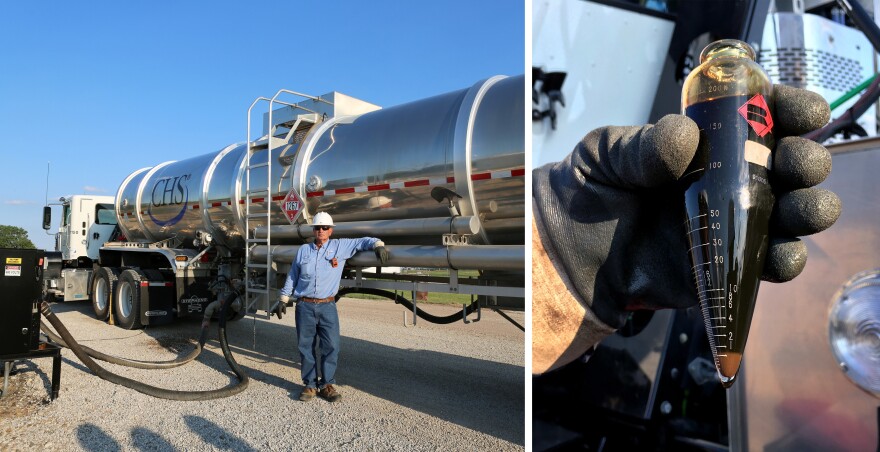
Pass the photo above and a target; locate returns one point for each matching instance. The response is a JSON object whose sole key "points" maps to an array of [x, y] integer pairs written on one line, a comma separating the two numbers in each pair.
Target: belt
{"points": [[318, 300]]}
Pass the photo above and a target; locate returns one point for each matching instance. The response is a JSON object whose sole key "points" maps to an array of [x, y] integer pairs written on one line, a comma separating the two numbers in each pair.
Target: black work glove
{"points": [[382, 254], [280, 310], [613, 213]]}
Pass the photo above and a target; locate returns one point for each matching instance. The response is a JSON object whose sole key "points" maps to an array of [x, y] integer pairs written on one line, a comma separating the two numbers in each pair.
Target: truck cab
{"points": [[86, 224]]}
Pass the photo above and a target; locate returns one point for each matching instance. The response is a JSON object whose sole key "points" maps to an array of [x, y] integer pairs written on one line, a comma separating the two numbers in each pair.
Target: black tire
{"points": [[127, 300], [103, 287]]}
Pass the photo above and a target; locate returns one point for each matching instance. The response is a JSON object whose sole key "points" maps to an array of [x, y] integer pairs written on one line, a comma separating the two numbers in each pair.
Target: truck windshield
{"points": [[105, 214]]}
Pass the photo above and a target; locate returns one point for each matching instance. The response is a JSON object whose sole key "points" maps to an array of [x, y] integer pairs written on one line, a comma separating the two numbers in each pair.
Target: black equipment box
{"points": [[21, 283]]}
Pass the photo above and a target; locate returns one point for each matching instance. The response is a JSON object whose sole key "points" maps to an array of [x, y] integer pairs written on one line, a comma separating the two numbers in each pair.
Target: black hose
{"points": [[124, 361], [145, 388], [408, 304]]}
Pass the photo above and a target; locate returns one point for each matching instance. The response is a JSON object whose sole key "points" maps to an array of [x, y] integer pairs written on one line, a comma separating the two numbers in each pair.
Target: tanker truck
{"points": [[440, 180]]}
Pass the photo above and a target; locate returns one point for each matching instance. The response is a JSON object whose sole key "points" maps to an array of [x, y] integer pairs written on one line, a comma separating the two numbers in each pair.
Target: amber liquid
{"points": [[728, 202]]}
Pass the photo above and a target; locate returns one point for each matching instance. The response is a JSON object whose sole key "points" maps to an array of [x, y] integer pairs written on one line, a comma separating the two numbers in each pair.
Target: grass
{"points": [[432, 297]]}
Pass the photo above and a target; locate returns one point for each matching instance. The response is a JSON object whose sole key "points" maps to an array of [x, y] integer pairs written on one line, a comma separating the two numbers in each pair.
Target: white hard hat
{"points": [[322, 219]]}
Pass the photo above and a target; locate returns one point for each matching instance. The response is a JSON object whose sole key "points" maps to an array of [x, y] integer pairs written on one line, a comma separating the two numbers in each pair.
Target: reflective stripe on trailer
{"points": [[518, 172], [156, 284]]}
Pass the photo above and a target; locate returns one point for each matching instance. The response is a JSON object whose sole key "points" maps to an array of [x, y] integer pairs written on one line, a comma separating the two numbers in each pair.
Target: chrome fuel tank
{"points": [[377, 165]]}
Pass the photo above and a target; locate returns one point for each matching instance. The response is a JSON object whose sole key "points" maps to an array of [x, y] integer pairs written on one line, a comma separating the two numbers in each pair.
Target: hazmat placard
{"points": [[13, 270], [292, 206]]}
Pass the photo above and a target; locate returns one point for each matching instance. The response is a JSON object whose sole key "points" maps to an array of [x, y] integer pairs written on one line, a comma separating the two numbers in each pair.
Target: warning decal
{"points": [[13, 260], [13, 270], [757, 114], [292, 206]]}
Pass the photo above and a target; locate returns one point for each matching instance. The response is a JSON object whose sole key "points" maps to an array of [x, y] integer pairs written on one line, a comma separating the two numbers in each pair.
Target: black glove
{"points": [[280, 310], [613, 214], [382, 254]]}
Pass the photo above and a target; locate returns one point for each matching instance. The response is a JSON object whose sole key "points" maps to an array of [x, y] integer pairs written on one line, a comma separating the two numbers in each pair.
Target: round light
{"points": [[854, 330]]}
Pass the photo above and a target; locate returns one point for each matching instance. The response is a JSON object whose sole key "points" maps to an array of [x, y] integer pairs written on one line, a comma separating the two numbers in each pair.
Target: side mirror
{"points": [[47, 217]]}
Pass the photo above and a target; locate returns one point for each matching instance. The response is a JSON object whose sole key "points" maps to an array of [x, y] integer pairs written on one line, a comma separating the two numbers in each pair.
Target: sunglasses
{"points": [[323, 228]]}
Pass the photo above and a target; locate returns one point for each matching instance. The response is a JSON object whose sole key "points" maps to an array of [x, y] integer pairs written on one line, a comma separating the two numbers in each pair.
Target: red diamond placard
{"points": [[757, 114], [292, 206]]}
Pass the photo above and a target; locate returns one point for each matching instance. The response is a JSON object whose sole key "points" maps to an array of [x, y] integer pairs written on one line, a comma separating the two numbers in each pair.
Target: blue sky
{"points": [[101, 89]]}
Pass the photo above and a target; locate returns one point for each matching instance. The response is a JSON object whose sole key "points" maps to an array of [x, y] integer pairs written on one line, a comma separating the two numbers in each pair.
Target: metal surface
{"points": [[383, 228], [797, 396], [814, 53], [76, 283], [101, 295], [125, 294], [854, 330], [346, 154], [487, 257]]}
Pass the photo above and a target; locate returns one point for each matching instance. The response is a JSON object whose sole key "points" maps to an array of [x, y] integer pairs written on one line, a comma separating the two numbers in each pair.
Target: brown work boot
{"points": [[308, 394], [329, 393]]}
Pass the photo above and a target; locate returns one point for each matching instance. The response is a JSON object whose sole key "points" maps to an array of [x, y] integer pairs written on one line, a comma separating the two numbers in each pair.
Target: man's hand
{"points": [[285, 300], [610, 214], [381, 252]]}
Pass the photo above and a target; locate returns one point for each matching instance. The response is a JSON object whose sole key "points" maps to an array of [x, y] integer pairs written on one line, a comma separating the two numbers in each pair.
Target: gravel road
{"points": [[428, 387]]}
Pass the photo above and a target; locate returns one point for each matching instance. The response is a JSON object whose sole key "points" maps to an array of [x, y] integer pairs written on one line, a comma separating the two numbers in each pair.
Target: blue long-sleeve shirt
{"points": [[313, 274]]}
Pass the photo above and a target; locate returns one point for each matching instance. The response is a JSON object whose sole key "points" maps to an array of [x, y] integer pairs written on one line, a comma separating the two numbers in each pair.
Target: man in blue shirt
{"points": [[312, 282]]}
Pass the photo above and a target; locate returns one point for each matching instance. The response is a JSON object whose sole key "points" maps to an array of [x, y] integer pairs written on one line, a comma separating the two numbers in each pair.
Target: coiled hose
{"points": [[124, 361], [152, 390], [408, 304]]}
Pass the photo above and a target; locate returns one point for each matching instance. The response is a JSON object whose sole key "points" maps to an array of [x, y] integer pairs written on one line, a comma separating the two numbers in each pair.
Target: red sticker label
{"points": [[757, 114], [292, 206]]}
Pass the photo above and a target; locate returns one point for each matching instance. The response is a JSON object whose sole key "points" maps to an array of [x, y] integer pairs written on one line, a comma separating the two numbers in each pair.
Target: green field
{"points": [[432, 297]]}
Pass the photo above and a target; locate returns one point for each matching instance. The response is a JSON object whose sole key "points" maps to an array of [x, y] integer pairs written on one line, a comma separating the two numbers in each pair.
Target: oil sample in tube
{"points": [[728, 198]]}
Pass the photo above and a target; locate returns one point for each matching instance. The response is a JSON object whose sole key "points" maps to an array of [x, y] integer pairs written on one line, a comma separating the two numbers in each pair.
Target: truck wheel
{"points": [[103, 285], [127, 299]]}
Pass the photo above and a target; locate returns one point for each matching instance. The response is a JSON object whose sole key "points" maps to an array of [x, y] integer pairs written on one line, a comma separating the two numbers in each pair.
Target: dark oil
{"points": [[728, 201]]}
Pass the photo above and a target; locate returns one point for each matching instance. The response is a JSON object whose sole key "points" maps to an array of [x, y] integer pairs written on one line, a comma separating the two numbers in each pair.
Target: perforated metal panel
{"points": [[813, 67], [814, 53]]}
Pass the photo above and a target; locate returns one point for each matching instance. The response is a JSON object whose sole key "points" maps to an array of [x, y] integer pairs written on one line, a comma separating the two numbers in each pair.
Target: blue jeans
{"points": [[317, 320]]}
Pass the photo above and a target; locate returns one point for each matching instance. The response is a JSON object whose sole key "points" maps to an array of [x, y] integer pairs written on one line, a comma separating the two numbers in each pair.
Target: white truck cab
{"points": [[86, 223]]}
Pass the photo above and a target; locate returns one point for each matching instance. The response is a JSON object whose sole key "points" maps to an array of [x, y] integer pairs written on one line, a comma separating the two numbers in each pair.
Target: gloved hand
{"points": [[381, 252], [612, 211], [281, 307]]}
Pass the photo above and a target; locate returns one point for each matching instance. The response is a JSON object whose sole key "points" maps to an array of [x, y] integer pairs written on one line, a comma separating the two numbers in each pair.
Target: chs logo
{"points": [[757, 114], [170, 191]]}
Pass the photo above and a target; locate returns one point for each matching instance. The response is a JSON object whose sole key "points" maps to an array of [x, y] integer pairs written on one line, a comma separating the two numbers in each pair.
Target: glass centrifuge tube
{"points": [[728, 197]]}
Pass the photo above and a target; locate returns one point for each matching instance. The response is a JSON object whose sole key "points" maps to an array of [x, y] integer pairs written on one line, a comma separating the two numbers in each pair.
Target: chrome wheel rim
{"points": [[101, 292], [125, 294]]}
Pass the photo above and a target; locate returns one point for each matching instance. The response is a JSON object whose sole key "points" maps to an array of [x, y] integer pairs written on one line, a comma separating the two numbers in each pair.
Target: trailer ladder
{"points": [[259, 193]]}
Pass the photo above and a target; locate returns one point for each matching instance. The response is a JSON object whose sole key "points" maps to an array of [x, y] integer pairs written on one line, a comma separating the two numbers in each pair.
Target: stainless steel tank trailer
{"points": [[440, 180]]}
